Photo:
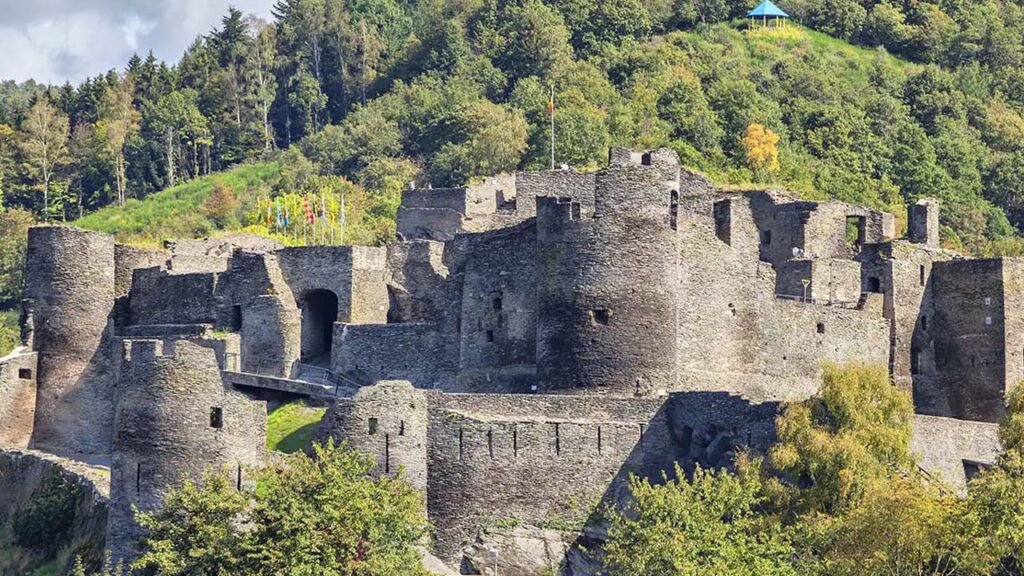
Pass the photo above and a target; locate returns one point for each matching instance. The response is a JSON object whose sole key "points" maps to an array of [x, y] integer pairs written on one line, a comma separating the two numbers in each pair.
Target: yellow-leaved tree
{"points": [[761, 146]]}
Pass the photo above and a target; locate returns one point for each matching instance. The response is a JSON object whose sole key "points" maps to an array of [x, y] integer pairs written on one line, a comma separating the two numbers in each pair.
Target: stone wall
{"points": [[734, 335], [415, 352], [175, 418], [25, 476], [498, 330], [949, 448], [17, 397], [69, 288], [127, 259], [968, 339], [604, 299], [161, 297]]}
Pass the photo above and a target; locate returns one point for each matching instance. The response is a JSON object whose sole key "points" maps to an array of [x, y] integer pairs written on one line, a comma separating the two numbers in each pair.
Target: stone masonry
{"points": [[527, 344]]}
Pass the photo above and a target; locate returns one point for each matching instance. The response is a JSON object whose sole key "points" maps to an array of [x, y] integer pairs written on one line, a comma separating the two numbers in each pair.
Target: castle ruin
{"points": [[527, 344]]}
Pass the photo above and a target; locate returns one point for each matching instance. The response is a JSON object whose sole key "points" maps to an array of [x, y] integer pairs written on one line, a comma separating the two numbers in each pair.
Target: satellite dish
{"points": [[797, 252]]}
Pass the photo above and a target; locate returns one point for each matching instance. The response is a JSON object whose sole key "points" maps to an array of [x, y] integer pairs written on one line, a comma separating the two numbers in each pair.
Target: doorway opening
{"points": [[319, 313]]}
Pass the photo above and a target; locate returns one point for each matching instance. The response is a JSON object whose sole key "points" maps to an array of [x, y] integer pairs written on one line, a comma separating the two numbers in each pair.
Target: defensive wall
{"points": [[555, 332]]}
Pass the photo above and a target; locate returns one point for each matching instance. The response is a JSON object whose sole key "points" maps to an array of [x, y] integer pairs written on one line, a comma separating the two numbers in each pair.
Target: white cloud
{"points": [[54, 41]]}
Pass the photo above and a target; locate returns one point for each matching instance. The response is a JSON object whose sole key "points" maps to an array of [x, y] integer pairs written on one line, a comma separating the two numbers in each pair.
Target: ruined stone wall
{"points": [[413, 351], [69, 288], [830, 280], [605, 298], [534, 459], [905, 272], [175, 418], [417, 282], [553, 184], [733, 334], [28, 477], [161, 297], [355, 274], [969, 343], [498, 328], [551, 460], [17, 397], [213, 254], [947, 448], [127, 259]]}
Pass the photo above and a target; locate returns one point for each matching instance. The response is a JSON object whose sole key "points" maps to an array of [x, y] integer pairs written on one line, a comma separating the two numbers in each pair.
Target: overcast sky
{"points": [[57, 40]]}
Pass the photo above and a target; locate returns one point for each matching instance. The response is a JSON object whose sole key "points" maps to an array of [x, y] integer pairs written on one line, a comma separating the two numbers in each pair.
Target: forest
{"points": [[879, 103]]}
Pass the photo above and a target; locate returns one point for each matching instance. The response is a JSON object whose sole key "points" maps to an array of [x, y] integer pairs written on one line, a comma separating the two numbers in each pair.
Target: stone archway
{"points": [[319, 313]]}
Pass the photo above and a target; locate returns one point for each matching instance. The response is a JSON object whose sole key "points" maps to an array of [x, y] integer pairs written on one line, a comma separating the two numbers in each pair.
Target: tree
{"points": [[835, 444], [487, 139], [14, 224], [706, 525], [195, 531], [900, 526], [535, 40], [45, 146], [178, 118], [319, 515], [994, 499], [761, 147], [119, 120], [221, 205], [259, 73]]}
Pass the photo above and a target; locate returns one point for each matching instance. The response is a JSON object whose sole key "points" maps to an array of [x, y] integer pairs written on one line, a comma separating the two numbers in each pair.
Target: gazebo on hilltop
{"points": [[768, 15]]}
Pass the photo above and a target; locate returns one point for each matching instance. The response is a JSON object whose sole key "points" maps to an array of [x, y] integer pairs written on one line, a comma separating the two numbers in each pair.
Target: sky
{"points": [[54, 41]]}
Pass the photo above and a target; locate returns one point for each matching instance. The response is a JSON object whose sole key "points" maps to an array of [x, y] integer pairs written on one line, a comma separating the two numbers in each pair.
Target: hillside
{"points": [[881, 104], [181, 211]]}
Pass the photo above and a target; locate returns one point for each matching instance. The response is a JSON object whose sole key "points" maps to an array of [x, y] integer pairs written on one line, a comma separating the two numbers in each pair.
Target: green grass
{"points": [[177, 212], [10, 331], [290, 427]]}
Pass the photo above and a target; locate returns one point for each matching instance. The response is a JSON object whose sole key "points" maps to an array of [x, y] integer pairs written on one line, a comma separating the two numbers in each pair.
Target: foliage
{"points": [[833, 446], [14, 224], [308, 515], [706, 525], [761, 147], [45, 521]]}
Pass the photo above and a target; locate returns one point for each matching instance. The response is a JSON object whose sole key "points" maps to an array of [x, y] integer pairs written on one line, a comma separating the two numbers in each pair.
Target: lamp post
{"points": [[494, 555]]}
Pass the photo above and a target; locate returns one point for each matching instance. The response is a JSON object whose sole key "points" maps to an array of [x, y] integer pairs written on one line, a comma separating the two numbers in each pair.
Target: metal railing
{"points": [[294, 370], [837, 303]]}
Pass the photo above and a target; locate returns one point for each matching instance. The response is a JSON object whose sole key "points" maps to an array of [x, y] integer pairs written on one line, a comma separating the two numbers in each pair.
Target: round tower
{"points": [[69, 292], [175, 418], [387, 421], [607, 300]]}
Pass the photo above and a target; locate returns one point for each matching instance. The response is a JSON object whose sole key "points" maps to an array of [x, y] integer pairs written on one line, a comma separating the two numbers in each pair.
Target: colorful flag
{"points": [[551, 104], [306, 209]]}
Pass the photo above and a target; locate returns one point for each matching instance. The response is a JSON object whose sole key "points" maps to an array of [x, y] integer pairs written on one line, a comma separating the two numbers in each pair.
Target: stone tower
{"points": [[389, 422], [69, 294], [175, 419], [607, 309]]}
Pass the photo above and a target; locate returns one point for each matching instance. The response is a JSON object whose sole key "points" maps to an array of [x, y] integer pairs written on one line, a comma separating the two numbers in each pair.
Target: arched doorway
{"points": [[319, 312]]}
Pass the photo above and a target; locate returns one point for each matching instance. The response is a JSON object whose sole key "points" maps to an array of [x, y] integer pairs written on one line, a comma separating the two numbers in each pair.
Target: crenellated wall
{"points": [[175, 418]]}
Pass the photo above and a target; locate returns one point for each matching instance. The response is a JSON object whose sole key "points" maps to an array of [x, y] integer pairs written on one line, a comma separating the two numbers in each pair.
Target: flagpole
{"points": [[551, 110]]}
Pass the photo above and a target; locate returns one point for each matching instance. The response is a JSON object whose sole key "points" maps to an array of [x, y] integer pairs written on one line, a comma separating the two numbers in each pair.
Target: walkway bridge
{"points": [[303, 379]]}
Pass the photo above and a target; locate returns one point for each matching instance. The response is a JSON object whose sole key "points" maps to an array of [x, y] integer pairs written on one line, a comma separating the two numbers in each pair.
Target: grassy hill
{"points": [[180, 211]]}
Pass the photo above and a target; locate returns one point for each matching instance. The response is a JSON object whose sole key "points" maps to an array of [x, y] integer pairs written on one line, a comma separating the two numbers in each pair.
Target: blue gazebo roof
{"points": [[767, 8]]}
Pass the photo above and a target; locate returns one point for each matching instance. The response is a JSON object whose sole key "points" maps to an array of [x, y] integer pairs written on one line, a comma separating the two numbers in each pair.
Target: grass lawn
{"points": [[290, 427]]}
